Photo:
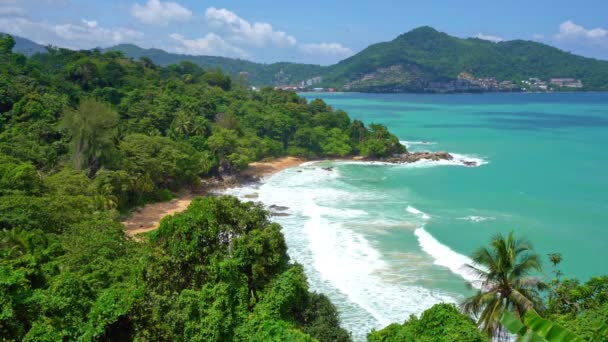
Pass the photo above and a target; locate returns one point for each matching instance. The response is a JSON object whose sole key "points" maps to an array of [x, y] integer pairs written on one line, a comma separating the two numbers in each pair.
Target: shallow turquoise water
{"points": [[547, 177], [384, 242]]}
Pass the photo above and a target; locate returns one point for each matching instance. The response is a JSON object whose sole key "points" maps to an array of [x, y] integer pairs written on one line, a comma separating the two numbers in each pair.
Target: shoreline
{"points": [[147, 218]]}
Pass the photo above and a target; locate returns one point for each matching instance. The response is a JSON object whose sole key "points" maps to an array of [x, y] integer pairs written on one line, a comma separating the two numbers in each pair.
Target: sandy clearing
{"points": [[148, 217]]}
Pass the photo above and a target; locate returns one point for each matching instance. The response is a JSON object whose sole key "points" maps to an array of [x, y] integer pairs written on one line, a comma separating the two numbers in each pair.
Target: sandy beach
{"points": [[147, 218]]}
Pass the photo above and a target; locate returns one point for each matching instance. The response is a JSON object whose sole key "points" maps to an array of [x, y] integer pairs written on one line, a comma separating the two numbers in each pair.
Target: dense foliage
{"points": [[507, 283], [442, 322], [135, 128], [87, 135], [217, 272], [252, 73], [428, 55], [406, 63], [423, 54], [581, 307]]}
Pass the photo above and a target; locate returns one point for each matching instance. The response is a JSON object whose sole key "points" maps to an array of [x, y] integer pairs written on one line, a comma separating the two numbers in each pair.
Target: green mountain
{"points": [[256, 73], [27, 47], [421, 60], [413, 60]]}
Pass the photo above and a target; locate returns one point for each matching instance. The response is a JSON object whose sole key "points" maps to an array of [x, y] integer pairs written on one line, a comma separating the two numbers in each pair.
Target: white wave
{"points": [[446, 257], [457, 160], [417, 212], [476, 219], [364, 162], [329, 239], [407, 143], [309, 163]]}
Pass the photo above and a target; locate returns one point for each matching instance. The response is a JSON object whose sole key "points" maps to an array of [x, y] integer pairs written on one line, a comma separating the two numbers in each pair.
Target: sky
{"points": [[311, 31]]}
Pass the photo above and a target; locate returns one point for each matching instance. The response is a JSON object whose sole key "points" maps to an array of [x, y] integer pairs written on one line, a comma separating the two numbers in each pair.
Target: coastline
{"points": [[148, 217]]}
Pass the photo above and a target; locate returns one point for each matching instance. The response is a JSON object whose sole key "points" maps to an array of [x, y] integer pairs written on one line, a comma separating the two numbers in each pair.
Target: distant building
{"points": [[507, 86], [567, 82], [311, 81]]}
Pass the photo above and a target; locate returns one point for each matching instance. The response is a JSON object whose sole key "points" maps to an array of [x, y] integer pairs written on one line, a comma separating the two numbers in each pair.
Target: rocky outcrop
{"points": [[278, 210], [417, 156], [275, 207]]}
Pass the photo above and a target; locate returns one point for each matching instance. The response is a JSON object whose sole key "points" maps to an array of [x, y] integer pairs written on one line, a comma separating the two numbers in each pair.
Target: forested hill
{"points": [[423, 59], [87, 136], [255, 73], [26, 46], [423, 55]]}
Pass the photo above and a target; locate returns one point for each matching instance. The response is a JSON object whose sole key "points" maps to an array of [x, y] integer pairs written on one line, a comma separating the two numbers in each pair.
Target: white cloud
{"points": [[84, 35], [211, 44], [489, 37], [241, 34], [224, 33], [575, 37], [156, 12], [240, 31], [90, 23], [569, 30], [327, 49]]}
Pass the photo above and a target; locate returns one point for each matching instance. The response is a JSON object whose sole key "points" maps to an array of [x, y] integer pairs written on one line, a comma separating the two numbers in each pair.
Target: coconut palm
{"points": [[504, 270]]}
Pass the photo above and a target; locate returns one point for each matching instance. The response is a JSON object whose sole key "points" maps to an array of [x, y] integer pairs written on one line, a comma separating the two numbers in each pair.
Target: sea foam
{"points": [[417, 212], [476, 219], [446, 257], [408, 144], [331, 242], [458, 159]]}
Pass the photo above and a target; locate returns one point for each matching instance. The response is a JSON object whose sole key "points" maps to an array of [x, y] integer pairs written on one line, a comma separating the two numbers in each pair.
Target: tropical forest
{"points": [[87, 137]]}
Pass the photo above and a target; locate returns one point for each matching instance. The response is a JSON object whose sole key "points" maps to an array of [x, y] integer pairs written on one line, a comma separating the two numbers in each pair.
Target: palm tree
{"points": [[506, 284]]}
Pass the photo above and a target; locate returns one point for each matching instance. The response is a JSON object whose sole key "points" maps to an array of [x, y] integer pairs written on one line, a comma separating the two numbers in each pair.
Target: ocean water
{"points": [[385, 241]]}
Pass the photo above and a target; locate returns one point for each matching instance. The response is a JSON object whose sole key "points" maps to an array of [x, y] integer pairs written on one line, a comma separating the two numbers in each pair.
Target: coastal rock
{"points": [[275, 207], [279, 214], [329, 168], [417, 156]]}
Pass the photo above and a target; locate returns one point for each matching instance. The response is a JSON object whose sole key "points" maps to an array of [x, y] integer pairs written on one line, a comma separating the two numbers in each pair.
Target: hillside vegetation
{"points": [[254, 73], [85, 136], [408, 63], [425, 55]]}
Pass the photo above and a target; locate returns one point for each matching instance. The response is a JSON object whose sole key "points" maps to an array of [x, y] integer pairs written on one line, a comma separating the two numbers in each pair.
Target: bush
{"points": [[442, 322]]}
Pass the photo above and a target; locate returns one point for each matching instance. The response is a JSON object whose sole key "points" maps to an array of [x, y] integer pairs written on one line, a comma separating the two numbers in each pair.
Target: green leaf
{"points": [[512, 323], [548, 330]]}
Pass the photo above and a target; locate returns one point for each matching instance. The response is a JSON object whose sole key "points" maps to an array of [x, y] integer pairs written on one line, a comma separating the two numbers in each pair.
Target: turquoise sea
{"points": [[384, 241]]}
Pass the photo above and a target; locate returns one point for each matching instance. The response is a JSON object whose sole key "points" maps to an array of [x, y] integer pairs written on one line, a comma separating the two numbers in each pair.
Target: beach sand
{"points": [[147, 218]]}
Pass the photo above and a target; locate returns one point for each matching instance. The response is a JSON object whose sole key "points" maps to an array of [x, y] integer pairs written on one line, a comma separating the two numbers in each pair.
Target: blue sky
{"points": [[312, 31]]}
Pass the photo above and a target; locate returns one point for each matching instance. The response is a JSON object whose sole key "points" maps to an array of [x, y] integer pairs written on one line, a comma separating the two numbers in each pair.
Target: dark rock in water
{"points": [[329, 168], [417, 156], [279, 214], [469, 163], [299, 171], [275, 207]]}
